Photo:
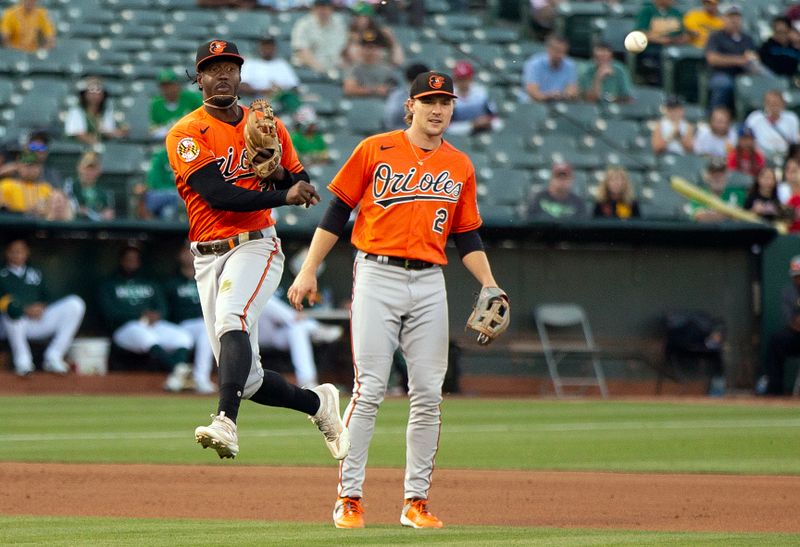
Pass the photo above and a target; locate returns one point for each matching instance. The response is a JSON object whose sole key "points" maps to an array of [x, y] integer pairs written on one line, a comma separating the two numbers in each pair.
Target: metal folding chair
{"points": [[564, 332]]}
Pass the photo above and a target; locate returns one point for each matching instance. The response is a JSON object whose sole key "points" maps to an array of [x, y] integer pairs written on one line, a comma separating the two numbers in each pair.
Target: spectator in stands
{"points": [[662, 23], [308, 141], [777, 52], [615, 196], [30, 313], [762, 197], [715, 180], [184, 310], [550, 76], [716, 138], [702, 21], [774, 127], [394, 111], [371, 76], [605, 79], [557, 201], [271, 76], [730, 52], [785, 342], [745, 157], [89, 201], [474, 112], [92, 120], [133, 308], [39, 144], [543, 16], [171, 104], [27, 27], [282, 327], [792, 190], [159, 195], [672, 133], [27, 193], [318, 38], [363, 20], [791, 180]]}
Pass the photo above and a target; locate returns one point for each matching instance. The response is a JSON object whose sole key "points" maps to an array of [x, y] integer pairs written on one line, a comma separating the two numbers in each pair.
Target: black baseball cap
{"points": [[432, 83], [217, 50]]}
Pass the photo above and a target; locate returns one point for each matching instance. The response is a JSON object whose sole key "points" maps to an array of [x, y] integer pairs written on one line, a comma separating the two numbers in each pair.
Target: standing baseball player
{"points": [[238, 257], [413, 189]]}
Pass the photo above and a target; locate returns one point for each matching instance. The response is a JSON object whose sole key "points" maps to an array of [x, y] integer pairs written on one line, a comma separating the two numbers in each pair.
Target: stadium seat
{"points": [[684, 72], [124, 43], [574, 22], [81, 29], [455, 20], [526, 117], [646, 105], [661, 202], [364, 115], [436, 6], [750, 90], [687, 166], [437, 56], [582, 116], [125, 158], [501, 216], [496, 35], [613, 32], [507, 186], [7, 89], [135, 110]]}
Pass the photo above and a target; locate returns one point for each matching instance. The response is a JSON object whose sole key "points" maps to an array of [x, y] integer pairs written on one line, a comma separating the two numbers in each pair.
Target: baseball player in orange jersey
{"points": [[237, 254], [414, 189]]}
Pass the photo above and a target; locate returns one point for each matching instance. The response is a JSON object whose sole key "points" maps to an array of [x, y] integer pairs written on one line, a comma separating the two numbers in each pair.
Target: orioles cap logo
{"points": [[436, 81], [217, 46]]}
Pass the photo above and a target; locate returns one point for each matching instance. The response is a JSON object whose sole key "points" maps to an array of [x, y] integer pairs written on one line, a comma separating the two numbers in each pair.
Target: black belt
{"points": [[222, 246], [407, 263]]}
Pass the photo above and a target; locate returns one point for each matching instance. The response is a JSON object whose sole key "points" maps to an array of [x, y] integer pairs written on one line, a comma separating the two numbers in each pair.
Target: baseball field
{"points": [[124, 470]]}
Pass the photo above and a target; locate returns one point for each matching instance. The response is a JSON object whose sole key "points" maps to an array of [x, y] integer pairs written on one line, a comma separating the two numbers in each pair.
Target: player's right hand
{"points": [[304, 286], [302, 193]]}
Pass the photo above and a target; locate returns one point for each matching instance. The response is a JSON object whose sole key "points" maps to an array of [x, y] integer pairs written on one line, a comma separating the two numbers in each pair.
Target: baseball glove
{"points": [[490, 315], [261, 139]]}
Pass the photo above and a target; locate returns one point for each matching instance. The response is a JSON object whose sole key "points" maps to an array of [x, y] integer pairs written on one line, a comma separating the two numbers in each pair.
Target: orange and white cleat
{"points": [[415, 514], [348, 513]]}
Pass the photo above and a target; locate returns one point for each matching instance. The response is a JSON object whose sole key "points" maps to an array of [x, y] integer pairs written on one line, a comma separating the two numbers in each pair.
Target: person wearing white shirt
{"points": [[774, 127], [267, 74], [718, 137], [319, 37]]}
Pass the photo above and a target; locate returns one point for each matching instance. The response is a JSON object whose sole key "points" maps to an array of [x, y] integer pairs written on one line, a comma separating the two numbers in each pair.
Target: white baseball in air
{"points": [[635, 41]]}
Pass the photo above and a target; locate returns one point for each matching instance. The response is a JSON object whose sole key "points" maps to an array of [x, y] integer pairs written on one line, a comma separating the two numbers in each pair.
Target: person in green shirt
{"points": [[306, 137], [715, 180], [90, 201], [29, 313], [133, 308], [160, 197], [172, 104], [604, 79], [662, 23]]}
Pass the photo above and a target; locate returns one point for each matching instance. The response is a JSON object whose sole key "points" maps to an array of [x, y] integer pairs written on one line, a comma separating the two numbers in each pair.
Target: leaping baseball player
{"points": [[414, 189], [232, 165]]}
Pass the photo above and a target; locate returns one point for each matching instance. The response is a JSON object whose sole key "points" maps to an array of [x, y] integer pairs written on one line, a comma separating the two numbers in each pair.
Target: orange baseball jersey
{"points": [[198, 139], [410, 199]]}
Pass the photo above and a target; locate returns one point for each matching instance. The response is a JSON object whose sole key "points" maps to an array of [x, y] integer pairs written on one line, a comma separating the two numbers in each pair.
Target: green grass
{"points": [[170, 533], [477, 433]]}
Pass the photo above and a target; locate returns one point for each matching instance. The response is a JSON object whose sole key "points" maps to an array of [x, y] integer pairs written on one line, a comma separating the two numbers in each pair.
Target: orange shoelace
{"points": [[352, 506], [421, 506]]}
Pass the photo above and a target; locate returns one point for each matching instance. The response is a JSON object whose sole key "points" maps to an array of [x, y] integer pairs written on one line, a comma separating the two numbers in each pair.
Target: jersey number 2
{"points": [[438, 222]]}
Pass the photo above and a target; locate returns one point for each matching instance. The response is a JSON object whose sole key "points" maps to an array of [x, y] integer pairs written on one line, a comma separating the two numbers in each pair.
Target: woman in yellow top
{"points": [[27, 27], [701, 22]]}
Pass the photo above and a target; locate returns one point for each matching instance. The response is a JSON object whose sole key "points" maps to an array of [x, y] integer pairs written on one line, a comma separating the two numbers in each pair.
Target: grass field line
{"points": [[454, 429]]}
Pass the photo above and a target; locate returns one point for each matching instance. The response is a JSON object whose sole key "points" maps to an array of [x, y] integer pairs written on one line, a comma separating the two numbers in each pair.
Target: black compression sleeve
{"points": [[208, 182], [467, 242], [335, 217]]}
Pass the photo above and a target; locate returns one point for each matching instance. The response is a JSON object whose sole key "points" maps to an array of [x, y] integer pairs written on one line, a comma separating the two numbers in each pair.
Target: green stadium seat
{"points": [[507, 186], [202, 18], [7, 90], [687, 166], [135, 110], [750, 90], [81, 29], [613, 32], [661, 202], [128, 158], [646, 105], [684, 71], [500, 216], [574, 22], [497, 35], [581, 115], [438, 56], [142, 17], [436, 6], [364, 115], [462, 21], [124, 43]]}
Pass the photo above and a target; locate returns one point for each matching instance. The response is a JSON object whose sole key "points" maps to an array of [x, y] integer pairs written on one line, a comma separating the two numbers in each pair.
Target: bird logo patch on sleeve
{"points": [[188, 149]]}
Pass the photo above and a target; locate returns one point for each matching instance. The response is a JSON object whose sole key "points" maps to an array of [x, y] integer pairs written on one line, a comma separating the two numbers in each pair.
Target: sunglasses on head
{"points": [[37, 147]]}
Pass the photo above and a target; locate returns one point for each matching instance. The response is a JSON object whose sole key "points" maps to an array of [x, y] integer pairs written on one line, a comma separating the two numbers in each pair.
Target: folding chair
{"points": [[572, 338]]}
